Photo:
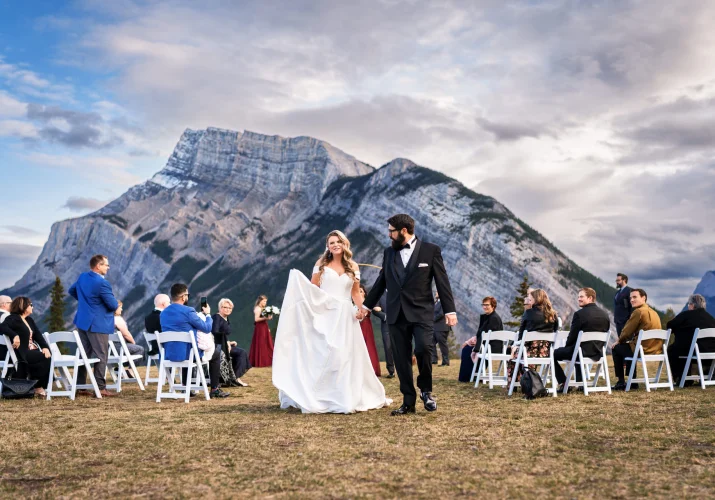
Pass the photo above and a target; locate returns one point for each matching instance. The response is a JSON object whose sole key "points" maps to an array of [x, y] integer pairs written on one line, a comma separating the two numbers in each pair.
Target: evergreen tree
{"points": [[454, 348], [57, 307], [517, 307]]}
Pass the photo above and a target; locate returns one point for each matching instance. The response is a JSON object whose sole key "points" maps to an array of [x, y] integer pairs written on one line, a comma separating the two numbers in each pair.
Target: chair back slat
{"points": [[706, 333], [150, 336], [55, 337], [503, 335], [164, 337], [532, 336], [654, 334], [595, 336]]}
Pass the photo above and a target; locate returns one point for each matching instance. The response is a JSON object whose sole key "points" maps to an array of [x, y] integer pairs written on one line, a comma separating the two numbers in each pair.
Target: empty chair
{"points": [[484, 366], [705, 333], [116, 361], [167, 367], [639, 356], [64, 362], [584, 363], [523, 360]]}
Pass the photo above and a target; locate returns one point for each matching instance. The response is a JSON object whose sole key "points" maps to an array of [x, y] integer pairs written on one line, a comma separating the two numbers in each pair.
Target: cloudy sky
{"points": [[594, 121]]}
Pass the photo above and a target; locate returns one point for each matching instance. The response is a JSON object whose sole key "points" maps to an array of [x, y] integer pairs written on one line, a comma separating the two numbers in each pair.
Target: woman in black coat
{"points": [[489, 321], [222, 330], [33, 353]]}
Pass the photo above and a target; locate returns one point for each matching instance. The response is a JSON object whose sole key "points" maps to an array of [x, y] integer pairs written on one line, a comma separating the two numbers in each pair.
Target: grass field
{"points": [[478, 443]]}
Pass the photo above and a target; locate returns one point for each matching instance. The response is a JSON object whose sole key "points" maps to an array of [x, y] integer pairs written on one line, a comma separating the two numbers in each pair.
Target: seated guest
{"points": [[33, 353], [123, 329], [539, 317], [152, 323], [590, 318], [222, 330], [683, 328], [642, 318], [489, 321], [178, 317]]}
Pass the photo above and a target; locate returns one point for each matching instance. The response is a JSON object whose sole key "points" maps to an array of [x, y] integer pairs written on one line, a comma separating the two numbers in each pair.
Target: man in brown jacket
{"points": [[642, 318]]}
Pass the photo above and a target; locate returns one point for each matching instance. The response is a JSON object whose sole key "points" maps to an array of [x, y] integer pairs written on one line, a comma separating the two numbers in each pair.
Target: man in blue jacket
{"points": [[95, 317]]}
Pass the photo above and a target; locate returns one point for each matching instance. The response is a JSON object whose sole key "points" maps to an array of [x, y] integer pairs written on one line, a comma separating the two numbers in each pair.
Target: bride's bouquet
{"points": [[270, 311]]}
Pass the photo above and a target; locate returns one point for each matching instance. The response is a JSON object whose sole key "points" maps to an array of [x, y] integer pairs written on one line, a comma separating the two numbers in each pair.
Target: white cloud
{"points": [[11, 107]]}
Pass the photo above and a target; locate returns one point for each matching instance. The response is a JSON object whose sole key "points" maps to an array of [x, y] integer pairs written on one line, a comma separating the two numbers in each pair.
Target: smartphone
{"points": [[204, 302]]}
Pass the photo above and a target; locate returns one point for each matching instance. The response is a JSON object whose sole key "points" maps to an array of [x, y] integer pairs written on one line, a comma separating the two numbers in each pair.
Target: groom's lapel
{"points": [[414, 258], [391, 264]]}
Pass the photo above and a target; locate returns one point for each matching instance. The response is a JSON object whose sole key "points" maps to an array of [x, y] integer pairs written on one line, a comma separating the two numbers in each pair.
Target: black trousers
{"points": [[387, 344], [214, 370], [619, 353], [565, 354], [440, 339], [36, 366], [402, 333]]}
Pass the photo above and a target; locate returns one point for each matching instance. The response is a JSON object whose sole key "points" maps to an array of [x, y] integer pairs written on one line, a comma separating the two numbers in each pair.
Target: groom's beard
{"points": [[398, 242]]}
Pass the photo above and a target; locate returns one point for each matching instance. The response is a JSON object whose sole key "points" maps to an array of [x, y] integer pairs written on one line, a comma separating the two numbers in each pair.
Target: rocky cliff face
{"points": [[231, 213]]}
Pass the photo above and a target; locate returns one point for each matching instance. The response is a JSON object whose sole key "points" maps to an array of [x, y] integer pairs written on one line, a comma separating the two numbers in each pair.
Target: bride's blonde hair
{"points": [[347, 258]]}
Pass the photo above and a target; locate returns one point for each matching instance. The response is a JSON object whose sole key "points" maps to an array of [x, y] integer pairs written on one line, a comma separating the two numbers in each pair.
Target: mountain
{"points": [[706, 288], [231, 213]]}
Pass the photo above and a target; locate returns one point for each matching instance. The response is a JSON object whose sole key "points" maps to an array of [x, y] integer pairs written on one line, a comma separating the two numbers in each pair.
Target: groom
{"points": [[409, 265]]}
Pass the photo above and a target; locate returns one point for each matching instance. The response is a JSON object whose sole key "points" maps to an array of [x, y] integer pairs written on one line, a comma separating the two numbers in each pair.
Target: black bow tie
{"points": [[406, 245]]}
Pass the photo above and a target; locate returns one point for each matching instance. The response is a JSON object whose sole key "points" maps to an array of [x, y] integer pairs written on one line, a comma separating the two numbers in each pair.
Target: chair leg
{"points": [[686, 370], [634, 362], [75, 374], [553, 377], [477, 372], [514, 373], [52, 379], [645, 375], [160, 384], [605, 371]]}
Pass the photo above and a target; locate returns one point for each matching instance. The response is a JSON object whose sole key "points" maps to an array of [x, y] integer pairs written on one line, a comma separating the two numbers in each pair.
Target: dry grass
{"points": [[479, 442]]}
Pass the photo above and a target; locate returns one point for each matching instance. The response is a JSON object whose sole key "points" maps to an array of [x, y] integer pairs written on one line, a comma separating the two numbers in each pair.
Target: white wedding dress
{"points": [[320, 360]]}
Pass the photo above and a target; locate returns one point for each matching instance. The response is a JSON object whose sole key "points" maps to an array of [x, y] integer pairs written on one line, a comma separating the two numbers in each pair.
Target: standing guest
{"points": [[642, 318], [95, 318], [622, 307], [380, 310], [152, 322], [440, 333], [5, 302], [369, 336], [260, 353], [33, 353], [683, 328], [222, 330], [179, 317], [539, 317], [590, 318], [488, 321]]}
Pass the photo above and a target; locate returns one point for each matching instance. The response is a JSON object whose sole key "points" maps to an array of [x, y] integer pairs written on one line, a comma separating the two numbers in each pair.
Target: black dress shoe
{"points": [[434, 362], [430, 403], [403, 410], [390, 375], [620, 386], [561, 389], [444, 364]]}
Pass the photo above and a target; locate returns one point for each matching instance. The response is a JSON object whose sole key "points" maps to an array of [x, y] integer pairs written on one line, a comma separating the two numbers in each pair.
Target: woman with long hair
{"points": [[260, 353], [539, 317], [321, 362]]}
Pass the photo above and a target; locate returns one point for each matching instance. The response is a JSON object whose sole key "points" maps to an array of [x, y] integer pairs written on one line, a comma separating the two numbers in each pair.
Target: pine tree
{"points": [[517, 307], [57, 307]]}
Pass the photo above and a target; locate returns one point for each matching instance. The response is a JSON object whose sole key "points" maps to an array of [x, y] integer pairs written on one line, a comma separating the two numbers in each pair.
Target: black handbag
{"points": [[531, 385], [17, 388]]}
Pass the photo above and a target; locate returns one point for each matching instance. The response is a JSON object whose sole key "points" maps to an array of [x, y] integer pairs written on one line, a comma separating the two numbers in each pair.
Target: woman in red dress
{"points": [[369, 336], [261, 352]]}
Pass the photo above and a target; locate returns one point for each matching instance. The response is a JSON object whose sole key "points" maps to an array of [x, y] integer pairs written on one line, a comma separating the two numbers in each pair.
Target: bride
{"points": [[320, 360]]}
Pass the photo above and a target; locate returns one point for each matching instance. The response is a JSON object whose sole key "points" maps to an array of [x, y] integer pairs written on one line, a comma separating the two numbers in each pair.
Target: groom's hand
{"points": [[450, 319]]}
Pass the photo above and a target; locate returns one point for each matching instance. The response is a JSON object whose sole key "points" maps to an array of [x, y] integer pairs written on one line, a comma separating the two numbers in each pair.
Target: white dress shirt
{"points": [[406, 253]]}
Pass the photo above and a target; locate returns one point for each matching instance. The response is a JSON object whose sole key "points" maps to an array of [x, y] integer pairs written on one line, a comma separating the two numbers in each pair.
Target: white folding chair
{"points": [[194, 361], [639, 356], [480, 350], [584, 362], [66, 361], [523, 360], [10, 360], [486, 359], [559, 341], [705, 333], [116, 361], [151, 357]]}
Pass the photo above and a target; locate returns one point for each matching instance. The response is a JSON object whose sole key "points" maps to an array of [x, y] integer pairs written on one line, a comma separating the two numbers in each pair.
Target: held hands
{"points": [[360, 314]]}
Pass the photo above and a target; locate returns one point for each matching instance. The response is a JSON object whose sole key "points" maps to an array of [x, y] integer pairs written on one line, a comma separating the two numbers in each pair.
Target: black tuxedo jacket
{"points": [[683, 328], [413, 296], [622, 307], [590, 318], [152, 323]]}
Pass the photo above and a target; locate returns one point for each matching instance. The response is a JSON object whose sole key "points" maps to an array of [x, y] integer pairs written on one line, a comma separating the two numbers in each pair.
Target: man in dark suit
{"points": [[379, 311], [152, 323], [622, 307], [95, 317], [408, 268], [441, 332], [590, 318], [683, 328]]}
